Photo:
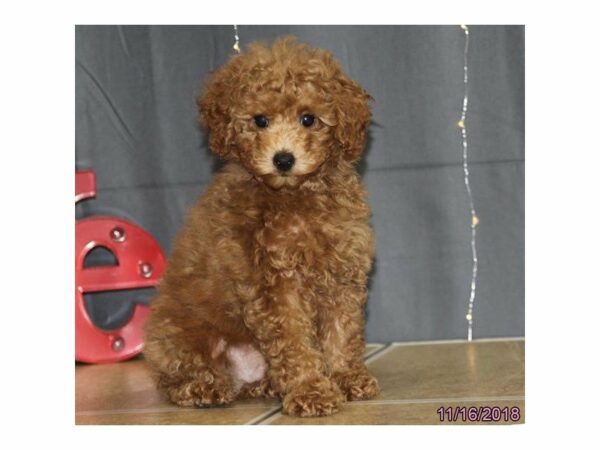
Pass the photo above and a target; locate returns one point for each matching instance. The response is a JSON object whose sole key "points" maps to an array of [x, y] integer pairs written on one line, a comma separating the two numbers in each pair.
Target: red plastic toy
{"points": [[140, 264]]}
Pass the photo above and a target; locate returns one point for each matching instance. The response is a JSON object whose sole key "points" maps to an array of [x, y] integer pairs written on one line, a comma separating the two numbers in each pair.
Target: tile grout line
{"points": [[261, 419], [270, 419], [373, 351], [270, 416], [380, 352], [162, 410], [412, 401]]}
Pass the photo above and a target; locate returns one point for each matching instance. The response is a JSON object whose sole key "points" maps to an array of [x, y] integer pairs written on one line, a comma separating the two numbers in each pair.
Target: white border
{"points": [[562, 220]]}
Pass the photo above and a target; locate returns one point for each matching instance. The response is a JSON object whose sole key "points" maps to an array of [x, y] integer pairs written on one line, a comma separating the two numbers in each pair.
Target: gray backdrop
{"points": [[136, 127]]}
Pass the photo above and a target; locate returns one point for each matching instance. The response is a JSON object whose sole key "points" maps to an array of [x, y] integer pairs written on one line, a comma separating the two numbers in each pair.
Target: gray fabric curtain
{"points": [[136, 127]]}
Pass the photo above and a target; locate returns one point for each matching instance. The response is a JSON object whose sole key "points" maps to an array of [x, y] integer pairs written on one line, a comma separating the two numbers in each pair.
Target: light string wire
{"points": [[236, 37], [462, 124]]}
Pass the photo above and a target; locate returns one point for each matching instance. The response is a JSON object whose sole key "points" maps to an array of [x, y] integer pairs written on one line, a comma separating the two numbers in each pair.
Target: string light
{"points": [[236, 44], [462, 125]]}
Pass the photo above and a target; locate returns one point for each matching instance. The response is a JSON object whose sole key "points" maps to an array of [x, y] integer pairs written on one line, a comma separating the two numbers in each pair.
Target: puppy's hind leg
{"points": [[190, 376]]}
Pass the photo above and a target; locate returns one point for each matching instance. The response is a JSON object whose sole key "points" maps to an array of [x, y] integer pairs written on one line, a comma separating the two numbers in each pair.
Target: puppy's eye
{"points": [[307, 120], [261, 121]]}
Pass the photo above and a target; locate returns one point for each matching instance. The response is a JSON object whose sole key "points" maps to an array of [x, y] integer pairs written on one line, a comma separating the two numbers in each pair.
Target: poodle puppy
{"points": [[265, 289]]}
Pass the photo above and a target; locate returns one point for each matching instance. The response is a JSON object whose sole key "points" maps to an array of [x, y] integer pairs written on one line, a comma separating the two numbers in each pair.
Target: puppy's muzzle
{"points": [[284, 161]]}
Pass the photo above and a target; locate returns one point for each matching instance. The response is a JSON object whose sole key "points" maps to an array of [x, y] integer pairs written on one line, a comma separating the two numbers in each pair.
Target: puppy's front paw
{"points": [[312, 398], [357, 384]]}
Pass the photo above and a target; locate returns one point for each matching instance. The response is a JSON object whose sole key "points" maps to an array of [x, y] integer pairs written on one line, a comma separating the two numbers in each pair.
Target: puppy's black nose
{"points": [[283, 161]]}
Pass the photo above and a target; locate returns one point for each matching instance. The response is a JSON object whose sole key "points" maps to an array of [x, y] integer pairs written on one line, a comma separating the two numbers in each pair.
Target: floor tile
{"points": [[122, 385], [390, 413], [462, 369], [415, 379]]}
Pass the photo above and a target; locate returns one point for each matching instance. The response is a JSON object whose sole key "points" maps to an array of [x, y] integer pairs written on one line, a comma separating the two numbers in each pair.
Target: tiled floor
{"points": [[416, 380]]}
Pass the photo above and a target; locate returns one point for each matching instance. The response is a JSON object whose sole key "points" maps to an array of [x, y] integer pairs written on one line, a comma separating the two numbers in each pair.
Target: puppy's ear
{"points": [[353, 117], [214, 105]]}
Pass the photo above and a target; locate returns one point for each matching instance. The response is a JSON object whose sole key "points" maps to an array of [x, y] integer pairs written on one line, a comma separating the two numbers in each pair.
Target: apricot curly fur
{"points": [[265, 289]]}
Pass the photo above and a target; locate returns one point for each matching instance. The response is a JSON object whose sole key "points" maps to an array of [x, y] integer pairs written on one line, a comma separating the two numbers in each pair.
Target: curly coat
{"points": [[265, 289]]}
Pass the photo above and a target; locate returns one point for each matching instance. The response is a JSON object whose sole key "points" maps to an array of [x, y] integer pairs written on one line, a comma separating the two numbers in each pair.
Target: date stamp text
{"points": [[479, 414]]}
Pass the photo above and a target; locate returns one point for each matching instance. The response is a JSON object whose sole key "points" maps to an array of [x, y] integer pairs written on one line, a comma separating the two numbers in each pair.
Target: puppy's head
{"points": [[284, 112]]}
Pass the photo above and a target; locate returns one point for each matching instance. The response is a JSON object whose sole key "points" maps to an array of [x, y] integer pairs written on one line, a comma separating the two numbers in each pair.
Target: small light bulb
{"points": [[469, 316], [461, 123]]}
